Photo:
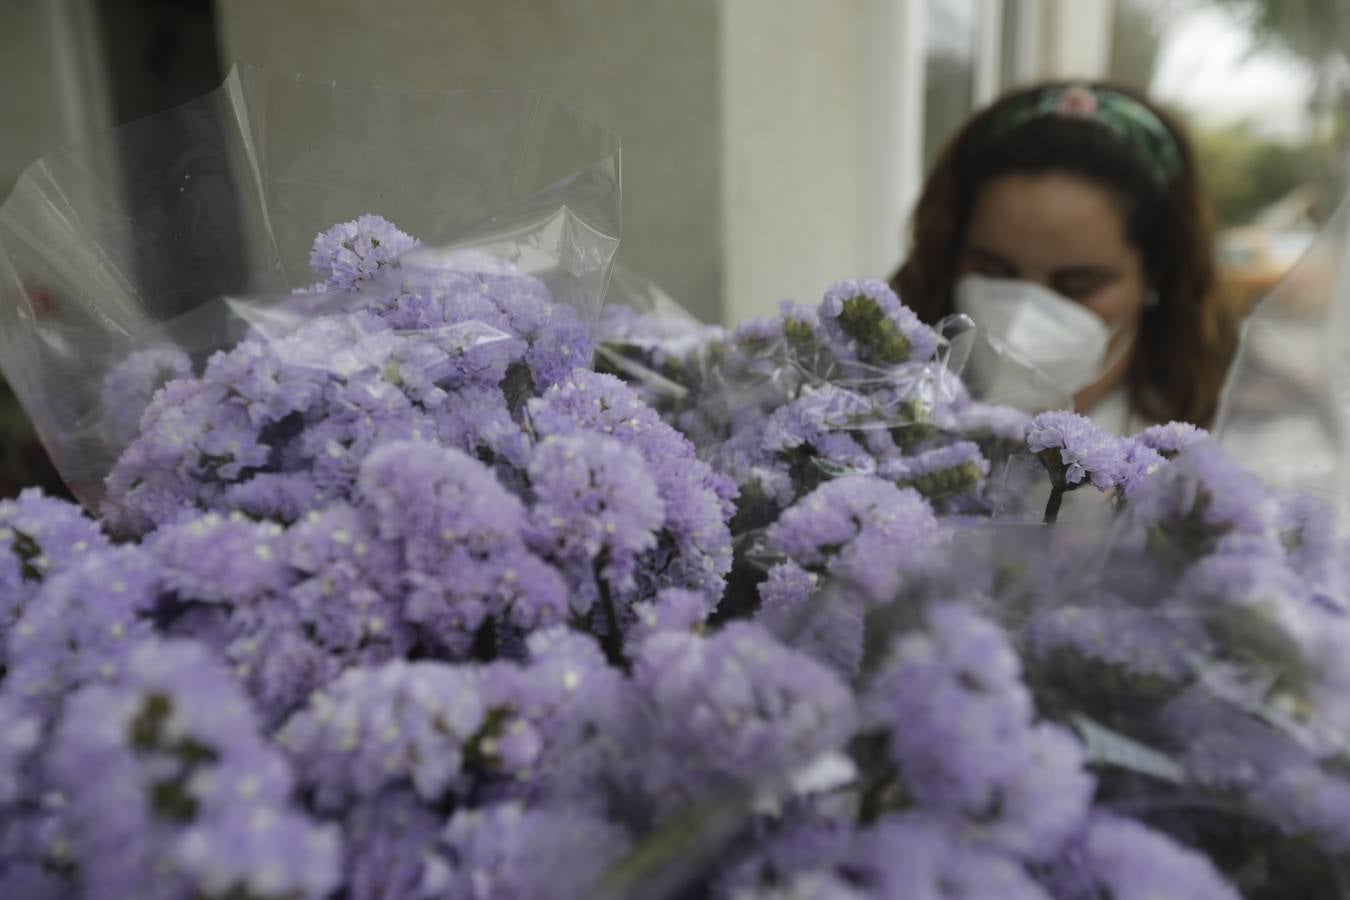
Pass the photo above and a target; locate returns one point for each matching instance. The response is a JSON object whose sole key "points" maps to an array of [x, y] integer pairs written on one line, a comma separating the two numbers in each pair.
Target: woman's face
{"points": [[1069, 235]]}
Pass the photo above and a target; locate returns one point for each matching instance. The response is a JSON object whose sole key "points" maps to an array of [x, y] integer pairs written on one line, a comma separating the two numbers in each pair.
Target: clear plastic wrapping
{"points": [[185, 230], [1285, 410]]}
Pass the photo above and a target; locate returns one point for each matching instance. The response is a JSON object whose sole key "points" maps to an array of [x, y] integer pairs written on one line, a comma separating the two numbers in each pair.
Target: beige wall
{"points": [[50, 69], [791, 149], [768, 145], [757, 149], [647, 69]]}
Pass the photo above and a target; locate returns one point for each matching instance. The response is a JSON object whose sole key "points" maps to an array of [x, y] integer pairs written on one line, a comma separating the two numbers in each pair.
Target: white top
{"points": [[1113, 414]]}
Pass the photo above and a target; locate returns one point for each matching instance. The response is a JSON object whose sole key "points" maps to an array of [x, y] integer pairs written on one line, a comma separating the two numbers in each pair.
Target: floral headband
{"points": [[1129, 120]]}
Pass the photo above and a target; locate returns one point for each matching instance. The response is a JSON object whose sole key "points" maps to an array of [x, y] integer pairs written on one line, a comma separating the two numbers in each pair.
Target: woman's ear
{"points": [[1150, 298]]}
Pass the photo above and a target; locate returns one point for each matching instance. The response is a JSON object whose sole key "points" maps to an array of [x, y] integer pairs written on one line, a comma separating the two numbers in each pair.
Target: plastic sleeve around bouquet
{"points": [[853, 385], [1179, 663], [134, 241], [1285, 408]]}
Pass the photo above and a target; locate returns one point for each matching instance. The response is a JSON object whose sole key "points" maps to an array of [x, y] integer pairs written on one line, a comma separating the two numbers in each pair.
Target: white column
{"points": [[1078, 38], [891, 129], [988, 51], [792, 181]]}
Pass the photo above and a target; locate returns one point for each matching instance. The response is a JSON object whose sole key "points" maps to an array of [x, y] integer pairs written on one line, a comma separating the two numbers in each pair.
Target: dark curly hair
{"points": [[1187, 340]]}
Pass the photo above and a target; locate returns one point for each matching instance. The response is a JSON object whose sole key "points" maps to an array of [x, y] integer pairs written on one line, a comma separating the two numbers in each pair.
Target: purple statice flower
{"points": [[360, 414], [211, 558], [39, 536], [276, 496], [593, 401], [738, 705], [820, 420], [762, 346], [351, 253], [1140, 463], [672, 609], [825, 625], [986, 423], [374, 730], [192, 440], [530, 593], [172, 792], [559, 340], [1228, 750], [128, 387], [1076, 452], [1198, 499], [32, 881], [256, 378], [432, 498], [1262, 616], [695, 548], [82, 624], [922, 858], [1172, 438], [241, 846], [449, 310], [941, 474], [509, 852], [1125, 860], [478, 421], [1142, 643], [865, 321], [19, 737], [481, 355], [388, 840], [964, 741], [460, 537], [426, 364], [345, 582], [1310, 532], [861, 529], [433, 292], [1307, 800], [331, 347], [801, 886], [579, 710], [783, 592], [799, 860], [595, 511], [916, 393]]}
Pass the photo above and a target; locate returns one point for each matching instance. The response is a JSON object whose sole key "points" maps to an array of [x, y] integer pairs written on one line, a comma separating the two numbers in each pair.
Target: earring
{"points": [[1151, 298]]}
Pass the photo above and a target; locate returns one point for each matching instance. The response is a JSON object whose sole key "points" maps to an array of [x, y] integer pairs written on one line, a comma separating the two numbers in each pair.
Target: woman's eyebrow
{"points": [[1086, 271], [988, 255]]}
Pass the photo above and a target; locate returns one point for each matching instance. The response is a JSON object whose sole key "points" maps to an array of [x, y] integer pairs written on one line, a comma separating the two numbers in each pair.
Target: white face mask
{"points": [[1062, 339]]}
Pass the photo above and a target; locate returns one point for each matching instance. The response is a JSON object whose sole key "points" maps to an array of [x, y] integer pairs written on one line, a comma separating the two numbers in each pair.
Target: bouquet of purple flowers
{"points": [[408, 601], [422, 582]]}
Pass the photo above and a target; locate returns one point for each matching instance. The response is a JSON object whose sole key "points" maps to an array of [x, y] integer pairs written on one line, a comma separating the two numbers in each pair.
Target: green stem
{"points": [[612, 642], [873, 801], [1052, 505]]}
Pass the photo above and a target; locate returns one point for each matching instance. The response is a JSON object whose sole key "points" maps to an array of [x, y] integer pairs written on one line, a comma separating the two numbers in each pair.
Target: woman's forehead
{"points": [[1048, 221]]}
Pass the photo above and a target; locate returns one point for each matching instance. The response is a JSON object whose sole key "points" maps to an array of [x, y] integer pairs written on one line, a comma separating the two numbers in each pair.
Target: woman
{"points": [[1068, 220]]}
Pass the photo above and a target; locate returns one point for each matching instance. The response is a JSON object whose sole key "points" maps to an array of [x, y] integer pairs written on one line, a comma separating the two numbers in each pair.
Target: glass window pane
{"points": [[949, 71]]}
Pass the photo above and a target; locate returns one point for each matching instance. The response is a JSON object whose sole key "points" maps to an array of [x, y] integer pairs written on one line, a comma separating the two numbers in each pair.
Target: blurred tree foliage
{"points": [[1245, 171], [1310, 31], [1316, 35]]}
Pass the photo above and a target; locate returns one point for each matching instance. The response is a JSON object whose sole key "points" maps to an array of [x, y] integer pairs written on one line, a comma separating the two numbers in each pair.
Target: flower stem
{"points": [[612, 642], [1052, 505]]}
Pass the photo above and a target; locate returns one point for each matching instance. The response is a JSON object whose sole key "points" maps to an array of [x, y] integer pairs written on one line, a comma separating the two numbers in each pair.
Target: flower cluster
{"points": [[407, 601], [567, 488], [853, 386], [429, 350]]}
